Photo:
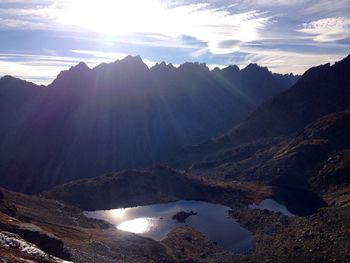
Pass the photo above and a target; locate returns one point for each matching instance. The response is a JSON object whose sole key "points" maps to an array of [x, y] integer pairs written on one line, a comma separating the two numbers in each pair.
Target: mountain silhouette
{"points": [[322, 90], [119, 115]]}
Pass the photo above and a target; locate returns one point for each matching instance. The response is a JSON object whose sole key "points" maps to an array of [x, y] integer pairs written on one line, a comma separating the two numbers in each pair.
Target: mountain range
{"points": [[297, 139], [120, 115], [320, 91]]}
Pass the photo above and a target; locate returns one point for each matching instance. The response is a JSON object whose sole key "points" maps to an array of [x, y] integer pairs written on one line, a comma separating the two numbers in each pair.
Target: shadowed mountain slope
{"points": [[320, 91], [119, 115], [317, 158]]}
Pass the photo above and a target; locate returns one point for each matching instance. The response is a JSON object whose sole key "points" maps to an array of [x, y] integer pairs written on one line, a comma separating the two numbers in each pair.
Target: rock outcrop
{"points": [[183, 215]]}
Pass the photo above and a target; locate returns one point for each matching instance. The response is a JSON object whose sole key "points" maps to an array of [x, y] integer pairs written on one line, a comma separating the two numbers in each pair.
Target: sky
{"points": [[40, 38]]}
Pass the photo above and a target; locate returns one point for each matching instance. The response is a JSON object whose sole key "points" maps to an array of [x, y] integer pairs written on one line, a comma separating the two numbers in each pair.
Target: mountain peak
{"points": [[135, 62], [231, 69], [10, 80], [159, 67], [7, 78], [75, 73], [132, 59], [344, 61], [194, 65], [253, 67], [81, 66]]}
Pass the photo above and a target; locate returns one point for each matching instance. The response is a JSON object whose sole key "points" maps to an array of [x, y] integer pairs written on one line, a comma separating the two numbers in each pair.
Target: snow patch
{"points": [[10, 240]]}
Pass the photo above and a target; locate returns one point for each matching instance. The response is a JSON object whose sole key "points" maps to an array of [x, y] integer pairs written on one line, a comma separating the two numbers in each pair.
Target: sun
{"points": [[112, 16], [136, 22]]}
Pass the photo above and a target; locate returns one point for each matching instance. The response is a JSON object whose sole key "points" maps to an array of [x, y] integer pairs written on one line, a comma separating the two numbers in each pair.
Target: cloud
{"points": [[101, 54], [39, 73], [201, 21], [15, 24], [39, 68], [32, 17], [276, 2], [26, 1], [326, 8], [328, 29], [287, 61]]}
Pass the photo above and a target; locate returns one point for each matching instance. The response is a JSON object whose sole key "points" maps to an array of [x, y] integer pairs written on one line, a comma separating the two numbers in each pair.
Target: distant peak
{"points": [[75, 72], [231, 68], [81, 66], [194, 65], [162, 66], [235, 67], [134, 59], [253, 67], [344, 61], [132, 62], [7, 77]]}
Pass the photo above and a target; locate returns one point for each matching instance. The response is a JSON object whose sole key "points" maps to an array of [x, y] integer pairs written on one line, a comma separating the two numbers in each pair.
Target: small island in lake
{"points": [[183, 215]]}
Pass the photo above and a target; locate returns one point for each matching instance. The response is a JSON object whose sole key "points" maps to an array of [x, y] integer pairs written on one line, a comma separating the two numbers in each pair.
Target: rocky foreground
{"points": [[61, 231]]}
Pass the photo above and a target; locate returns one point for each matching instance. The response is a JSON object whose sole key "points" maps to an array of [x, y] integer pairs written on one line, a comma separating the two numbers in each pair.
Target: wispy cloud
{"points": [[32, 17], [328, 29], [39, 68], [274, 3], [38, 73], [101, 54], [326, 8], [287, 61]]}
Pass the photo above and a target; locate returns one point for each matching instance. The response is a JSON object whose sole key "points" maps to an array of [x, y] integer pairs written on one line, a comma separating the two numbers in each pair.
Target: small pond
{"points": [[291, 202], [155, 221], [272, 205]]}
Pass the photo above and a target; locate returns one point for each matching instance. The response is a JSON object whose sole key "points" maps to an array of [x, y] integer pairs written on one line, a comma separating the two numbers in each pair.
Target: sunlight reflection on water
{"points": [[138, 225], [119, 213]]}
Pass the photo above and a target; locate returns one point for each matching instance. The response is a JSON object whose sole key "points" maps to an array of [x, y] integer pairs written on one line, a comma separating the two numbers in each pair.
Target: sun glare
{"points": [[112, 16], [137, 226], [119, 213]]}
